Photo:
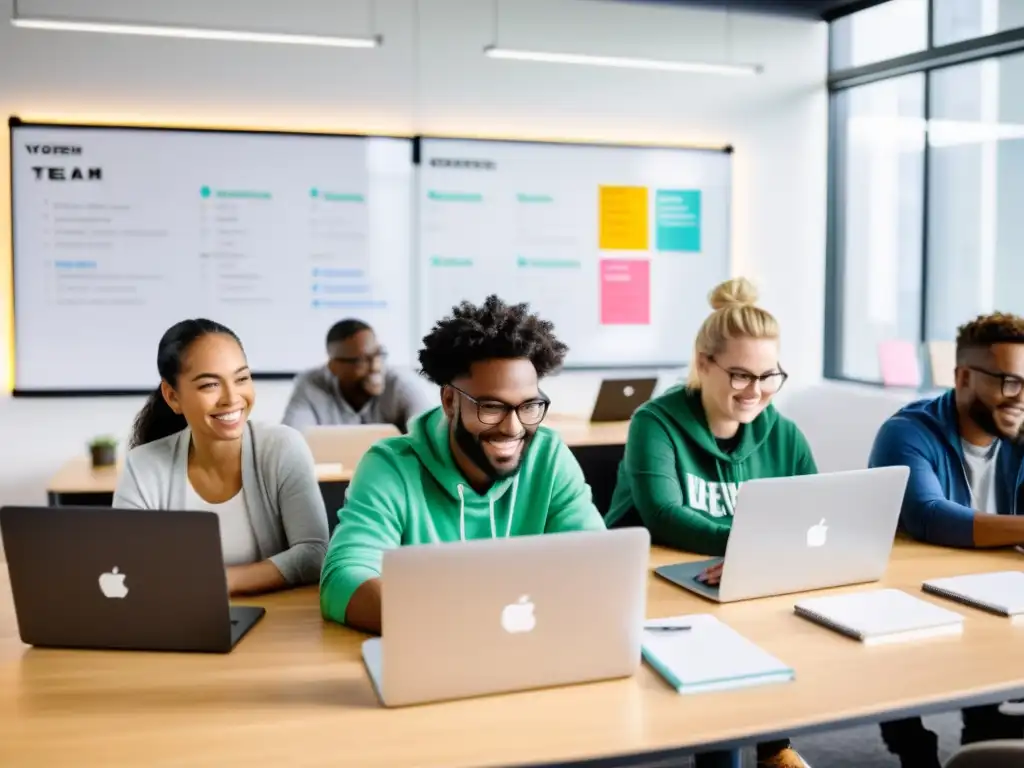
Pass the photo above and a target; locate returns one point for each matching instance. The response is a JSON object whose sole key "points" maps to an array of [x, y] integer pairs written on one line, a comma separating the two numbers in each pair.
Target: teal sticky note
{"points": [[677, 220]]}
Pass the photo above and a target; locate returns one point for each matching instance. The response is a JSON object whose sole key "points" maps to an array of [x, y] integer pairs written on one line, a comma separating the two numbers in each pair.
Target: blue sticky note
{"points": [[677, 219]]}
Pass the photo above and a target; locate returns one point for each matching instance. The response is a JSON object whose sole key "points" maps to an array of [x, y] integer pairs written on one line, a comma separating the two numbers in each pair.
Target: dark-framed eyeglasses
{"points": [[364, 361], [770, 382], [492, 412], [1009, 385]]}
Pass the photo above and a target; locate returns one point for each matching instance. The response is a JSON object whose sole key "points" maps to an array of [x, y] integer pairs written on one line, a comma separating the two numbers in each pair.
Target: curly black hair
{"points": [[493, 330], [986, 330]]}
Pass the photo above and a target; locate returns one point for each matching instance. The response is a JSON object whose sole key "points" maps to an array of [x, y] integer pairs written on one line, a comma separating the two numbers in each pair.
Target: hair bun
{"points": [[736, 292]]}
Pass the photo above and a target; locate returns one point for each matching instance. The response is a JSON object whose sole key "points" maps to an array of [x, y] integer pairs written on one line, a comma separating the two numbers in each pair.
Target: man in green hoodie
{"points": [[480, 465]]}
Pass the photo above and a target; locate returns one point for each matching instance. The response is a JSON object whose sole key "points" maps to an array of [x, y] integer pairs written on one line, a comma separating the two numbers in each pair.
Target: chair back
{"points": [[1008, 753]]}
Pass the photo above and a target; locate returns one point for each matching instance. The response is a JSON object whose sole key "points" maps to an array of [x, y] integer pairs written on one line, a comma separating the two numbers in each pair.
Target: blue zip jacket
{"points": [[925, 437]]}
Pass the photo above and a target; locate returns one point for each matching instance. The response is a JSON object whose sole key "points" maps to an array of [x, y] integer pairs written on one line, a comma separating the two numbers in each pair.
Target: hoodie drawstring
{"points": [[511, 507], [462, 513], [494, 528]]}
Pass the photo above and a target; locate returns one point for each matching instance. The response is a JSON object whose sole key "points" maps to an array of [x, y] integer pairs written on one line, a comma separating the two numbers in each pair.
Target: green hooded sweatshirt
{"points": [[678, 482], [408, 490]]}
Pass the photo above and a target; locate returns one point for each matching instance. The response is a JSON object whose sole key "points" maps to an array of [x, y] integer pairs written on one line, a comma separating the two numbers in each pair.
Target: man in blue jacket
{"points": [[965, 452]]}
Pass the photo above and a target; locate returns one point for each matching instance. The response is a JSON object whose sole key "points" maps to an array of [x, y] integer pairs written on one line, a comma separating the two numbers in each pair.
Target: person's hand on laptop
{"points": [[711, 576]]}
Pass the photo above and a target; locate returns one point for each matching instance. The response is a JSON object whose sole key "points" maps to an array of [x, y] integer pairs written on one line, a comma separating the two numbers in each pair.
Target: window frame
{"points": [[927, 61]]}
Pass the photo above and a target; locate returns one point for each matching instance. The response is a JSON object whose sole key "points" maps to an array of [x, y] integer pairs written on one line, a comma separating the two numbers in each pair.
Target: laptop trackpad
{"points": [[685, 575]]}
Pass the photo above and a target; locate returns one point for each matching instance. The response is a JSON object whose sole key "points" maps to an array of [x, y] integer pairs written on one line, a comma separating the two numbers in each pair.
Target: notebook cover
{"points": [[710, 655], [877, 613], [1001, 592]]}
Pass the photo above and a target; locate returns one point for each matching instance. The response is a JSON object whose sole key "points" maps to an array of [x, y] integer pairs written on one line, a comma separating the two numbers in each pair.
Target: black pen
{"points": [[669, 628]]}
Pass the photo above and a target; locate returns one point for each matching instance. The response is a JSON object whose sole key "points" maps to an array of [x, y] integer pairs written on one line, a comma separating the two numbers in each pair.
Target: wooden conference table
{"points": [[598, 448], [294, 692]]}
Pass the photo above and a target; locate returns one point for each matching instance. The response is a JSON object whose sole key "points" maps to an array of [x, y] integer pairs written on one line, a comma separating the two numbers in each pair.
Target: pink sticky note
{"points": [[625, 292], [899, 364]]}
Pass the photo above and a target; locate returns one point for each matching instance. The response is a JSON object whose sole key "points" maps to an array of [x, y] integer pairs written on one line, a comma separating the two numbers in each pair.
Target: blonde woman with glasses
{"points": [[689, 449]]}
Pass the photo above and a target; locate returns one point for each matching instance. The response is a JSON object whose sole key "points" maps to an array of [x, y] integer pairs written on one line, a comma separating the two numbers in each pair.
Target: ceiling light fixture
{"points": [[697, 67], [196, 33]]}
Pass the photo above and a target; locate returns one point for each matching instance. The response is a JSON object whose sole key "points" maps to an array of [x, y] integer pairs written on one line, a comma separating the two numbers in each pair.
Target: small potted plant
{"points": [[104, 452]]}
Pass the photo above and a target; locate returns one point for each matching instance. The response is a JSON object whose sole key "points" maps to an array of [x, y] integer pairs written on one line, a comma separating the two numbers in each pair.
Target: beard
{"points": [[981, 415], [472, 446]]}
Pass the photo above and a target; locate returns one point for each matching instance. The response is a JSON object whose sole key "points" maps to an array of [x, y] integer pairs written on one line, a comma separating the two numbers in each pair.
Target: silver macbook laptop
{"points": [[497, 615], [793, 534], [124, 579], [345, 444], [618, 398]]}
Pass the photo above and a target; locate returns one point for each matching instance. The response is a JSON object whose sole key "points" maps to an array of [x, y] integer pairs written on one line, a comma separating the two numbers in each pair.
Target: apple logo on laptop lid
{"points": [[817, 534], [518, 617], [112, 584]]}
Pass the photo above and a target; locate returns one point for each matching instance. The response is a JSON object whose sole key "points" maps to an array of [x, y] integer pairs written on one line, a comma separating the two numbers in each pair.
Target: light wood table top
{"points": [[78, 476], [579, 431], [294, 692]]}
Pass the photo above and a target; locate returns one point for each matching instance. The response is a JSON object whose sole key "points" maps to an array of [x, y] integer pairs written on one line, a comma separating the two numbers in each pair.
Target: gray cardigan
{"points": [[286, 508]]}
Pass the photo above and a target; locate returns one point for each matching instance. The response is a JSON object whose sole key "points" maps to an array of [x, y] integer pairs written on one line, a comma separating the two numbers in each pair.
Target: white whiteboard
{"points": [[618, 246], [277, 236]]}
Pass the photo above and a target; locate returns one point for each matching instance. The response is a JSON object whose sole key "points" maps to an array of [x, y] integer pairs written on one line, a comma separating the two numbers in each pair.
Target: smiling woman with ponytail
{"points": [[156, 419], [194, 448]]}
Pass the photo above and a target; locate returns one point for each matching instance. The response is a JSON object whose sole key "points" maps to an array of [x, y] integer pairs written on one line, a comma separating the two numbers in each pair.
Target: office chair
{"points": [[1015, 707], [989, 754]]}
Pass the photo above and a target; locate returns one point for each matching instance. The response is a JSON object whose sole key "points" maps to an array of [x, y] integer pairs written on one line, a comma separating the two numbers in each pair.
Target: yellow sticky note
{"points": [[623, 218]]}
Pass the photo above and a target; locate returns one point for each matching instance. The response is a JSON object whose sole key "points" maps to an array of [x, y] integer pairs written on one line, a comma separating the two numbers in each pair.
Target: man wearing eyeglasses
{"points": [[478, 466], [354, 387], [966, 460]]}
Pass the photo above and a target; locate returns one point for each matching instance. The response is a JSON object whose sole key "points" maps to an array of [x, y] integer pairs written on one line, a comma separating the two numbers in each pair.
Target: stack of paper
{"points": [[881, 616], [1001, 592]]}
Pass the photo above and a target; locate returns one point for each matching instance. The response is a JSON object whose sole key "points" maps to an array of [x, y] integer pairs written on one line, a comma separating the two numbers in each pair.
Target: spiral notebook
{"points": [[698, 653], [881, 616], [1001, 592]]}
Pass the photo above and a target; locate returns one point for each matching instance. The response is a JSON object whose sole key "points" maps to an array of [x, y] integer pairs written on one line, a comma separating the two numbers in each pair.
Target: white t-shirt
{"points": [[237, 540], [980, 463]]}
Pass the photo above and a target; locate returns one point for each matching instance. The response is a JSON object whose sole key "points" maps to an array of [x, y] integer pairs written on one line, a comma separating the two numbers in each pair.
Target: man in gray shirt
{"points": [[354, 387]]}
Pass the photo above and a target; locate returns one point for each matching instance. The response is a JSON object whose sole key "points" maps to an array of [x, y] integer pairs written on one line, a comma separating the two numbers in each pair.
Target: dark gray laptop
{"points": [[618, 398], [121, 579]]}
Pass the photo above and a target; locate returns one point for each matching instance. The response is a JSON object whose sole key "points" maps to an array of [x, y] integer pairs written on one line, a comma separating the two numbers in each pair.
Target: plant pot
{"points": [[103, 455]]}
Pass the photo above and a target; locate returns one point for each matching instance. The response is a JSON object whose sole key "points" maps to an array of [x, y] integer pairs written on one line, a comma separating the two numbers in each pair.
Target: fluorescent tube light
{"points": [[197, 33], [625, 63]]}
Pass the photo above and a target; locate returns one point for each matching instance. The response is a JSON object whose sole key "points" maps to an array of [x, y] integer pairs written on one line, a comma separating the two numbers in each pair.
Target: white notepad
{"points": [[881, 616], [709, 656], [1001, 592]]}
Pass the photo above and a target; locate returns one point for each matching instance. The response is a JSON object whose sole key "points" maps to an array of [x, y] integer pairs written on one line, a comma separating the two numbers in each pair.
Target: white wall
{"points": [[430, 77]]}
